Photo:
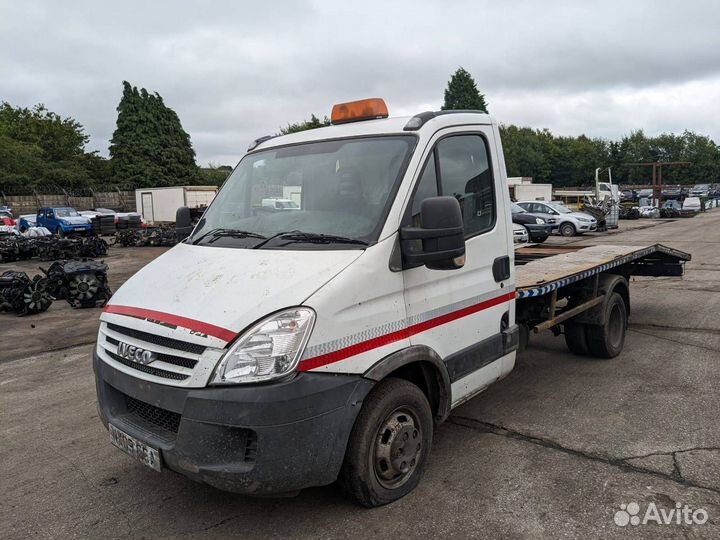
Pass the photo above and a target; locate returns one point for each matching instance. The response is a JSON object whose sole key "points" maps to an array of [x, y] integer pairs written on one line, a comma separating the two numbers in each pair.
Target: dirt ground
{"points": [[559, 448]]}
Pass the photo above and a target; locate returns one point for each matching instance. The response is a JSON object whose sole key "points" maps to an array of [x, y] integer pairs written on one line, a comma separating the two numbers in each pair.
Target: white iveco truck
{"points": [[272, 351]]}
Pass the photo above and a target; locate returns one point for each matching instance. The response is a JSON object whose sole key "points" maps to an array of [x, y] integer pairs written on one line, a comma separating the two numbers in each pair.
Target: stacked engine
{"points": [[22, 295], [83, 283]]}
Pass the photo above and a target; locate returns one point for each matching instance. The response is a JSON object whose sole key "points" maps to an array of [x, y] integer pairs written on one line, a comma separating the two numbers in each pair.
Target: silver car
{"points": [[568, 223]]}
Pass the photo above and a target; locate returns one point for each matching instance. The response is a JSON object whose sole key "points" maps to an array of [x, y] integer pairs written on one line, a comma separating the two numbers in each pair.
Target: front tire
{"points": [[538, 239], [389, 444], [567, 229]]}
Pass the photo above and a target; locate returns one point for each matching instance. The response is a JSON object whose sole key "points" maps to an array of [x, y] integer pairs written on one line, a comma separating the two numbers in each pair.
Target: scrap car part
{"points": [[22, 295], [83, 283]]}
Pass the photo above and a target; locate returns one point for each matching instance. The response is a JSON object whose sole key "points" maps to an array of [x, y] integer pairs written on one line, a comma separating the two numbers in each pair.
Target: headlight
{"points": [[584, 220], [540, 221], [270, 349]]}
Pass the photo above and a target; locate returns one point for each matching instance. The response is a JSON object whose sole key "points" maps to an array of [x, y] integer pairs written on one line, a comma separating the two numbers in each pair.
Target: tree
{"points": [[313, 123], [524, 153], [40, 149], [149, 146], [462, 93]]}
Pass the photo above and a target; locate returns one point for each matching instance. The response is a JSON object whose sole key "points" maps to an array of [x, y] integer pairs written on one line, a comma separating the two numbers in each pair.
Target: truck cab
{"points": [[63, 220], [273, 351]]}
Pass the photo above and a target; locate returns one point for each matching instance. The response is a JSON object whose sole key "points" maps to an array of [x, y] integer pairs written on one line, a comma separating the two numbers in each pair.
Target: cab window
{"points": [[459, 166]]}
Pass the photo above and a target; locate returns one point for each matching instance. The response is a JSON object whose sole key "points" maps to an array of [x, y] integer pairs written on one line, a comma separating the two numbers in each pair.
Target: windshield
{"points": [[701, 186], [517, 209], [66, 212], [559, 208], [342, 188]]}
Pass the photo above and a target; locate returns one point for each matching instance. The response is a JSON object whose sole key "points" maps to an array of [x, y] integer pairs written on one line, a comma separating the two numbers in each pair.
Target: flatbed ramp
{"points": [[552, 267]]}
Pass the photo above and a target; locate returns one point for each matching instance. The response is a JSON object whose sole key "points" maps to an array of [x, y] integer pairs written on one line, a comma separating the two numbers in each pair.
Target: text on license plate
{"points": [[139, 450]]}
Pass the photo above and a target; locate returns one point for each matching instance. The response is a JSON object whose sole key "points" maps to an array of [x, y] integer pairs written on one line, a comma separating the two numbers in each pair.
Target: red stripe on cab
{"points": [[176, 320], [380, 341]]}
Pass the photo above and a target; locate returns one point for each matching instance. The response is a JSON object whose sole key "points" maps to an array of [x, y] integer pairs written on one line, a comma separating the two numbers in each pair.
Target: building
{"points": [[159, 205]]}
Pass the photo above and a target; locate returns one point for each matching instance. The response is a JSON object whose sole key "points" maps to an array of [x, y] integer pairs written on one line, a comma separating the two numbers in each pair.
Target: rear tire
{"points": [[607, 341], [389, 444], [568, 229]]}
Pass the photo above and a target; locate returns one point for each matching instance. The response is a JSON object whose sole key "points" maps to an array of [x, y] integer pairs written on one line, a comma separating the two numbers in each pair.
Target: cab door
{"points": [[461, 313]]}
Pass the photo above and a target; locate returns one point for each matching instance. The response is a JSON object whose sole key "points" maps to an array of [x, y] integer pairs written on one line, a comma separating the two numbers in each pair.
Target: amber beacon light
{"points": [[354, 111]]}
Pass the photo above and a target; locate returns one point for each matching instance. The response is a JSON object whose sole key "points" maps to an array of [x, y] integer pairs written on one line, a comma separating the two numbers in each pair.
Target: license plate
{"points": [[139, 450]]}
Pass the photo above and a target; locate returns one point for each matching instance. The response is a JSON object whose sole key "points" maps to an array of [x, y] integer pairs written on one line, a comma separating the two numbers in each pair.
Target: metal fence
{"points": [[123, 201]]}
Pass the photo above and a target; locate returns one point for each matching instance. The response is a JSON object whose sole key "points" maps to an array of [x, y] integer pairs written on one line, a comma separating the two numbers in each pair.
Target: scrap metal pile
{"points": [[83, 283], [629, 211], [15, 247], [22, 295], [153, 236]]}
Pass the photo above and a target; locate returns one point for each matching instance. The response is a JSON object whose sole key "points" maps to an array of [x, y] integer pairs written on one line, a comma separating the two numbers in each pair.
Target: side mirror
{"points": [[439, 243], [183, 223]]}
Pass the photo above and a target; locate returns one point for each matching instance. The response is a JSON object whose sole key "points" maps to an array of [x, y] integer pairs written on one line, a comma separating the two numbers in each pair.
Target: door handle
{"points": [[501, 268]]}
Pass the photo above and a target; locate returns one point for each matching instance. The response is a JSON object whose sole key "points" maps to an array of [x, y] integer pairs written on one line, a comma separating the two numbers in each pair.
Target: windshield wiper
{"points": [[233, 233], [315, 238]]}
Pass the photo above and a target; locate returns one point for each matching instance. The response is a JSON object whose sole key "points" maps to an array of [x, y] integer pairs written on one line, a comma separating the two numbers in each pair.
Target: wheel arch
{"points": [[422, 366]]}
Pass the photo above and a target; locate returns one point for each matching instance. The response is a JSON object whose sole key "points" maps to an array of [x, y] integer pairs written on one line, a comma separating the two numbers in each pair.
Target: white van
{"points": [[273, 351]]}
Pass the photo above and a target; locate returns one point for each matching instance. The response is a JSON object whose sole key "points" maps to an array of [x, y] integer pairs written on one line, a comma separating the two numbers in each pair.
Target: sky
{"points": [[238, 70]]}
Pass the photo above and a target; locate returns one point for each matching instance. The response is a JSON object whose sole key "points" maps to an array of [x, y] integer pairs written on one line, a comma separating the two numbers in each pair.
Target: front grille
{"points": [[147, 369], [170, 343], [164, 419], [175, 360]]}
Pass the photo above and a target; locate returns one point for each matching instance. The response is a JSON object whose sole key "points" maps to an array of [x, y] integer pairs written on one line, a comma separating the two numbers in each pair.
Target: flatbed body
{"points": [[543, 269]]}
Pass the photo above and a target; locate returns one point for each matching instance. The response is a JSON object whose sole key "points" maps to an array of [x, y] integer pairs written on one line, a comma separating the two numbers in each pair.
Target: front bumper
{"points": [[536, 230], [76, 228], [586, 227], [260, 440]]}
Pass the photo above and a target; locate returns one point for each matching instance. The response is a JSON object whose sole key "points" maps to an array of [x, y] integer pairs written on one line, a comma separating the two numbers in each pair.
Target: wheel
{"points": [[389, 444], [607, 341], [538, 239], [567, 229], [575, 338]]}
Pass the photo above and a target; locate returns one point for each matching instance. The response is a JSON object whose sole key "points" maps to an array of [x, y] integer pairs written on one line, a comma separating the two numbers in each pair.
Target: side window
{"points": [[465, 174], [427, 187]]}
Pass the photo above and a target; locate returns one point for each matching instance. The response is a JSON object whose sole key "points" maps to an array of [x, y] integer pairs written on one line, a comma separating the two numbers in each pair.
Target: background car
{"points": [[672, 193], [700, 190], [520, 234], [63, 220], [628, 195], [569, 223], [538, 228]]}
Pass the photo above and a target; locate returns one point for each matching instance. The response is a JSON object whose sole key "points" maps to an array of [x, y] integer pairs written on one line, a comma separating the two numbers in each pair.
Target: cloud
{"points": [[235, 71]]}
